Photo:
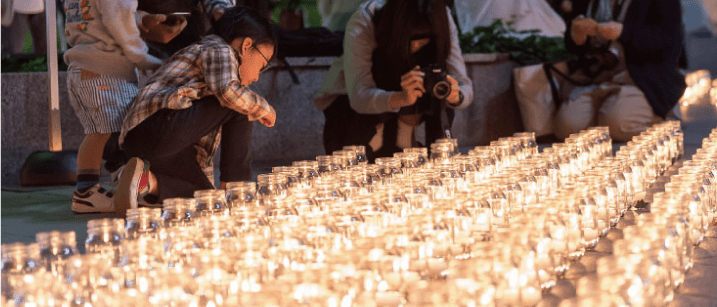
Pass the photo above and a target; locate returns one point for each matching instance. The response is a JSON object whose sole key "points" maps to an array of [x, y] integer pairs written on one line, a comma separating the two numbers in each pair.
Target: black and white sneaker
{"points": [[94, 200]]}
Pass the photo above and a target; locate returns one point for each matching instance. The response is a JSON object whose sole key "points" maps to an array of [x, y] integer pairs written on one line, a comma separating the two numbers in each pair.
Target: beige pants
{"points": [[617, 104]]}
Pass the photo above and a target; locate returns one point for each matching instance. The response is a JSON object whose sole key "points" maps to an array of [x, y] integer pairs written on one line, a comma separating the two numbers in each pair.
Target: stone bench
{"points": [[299, 127]]}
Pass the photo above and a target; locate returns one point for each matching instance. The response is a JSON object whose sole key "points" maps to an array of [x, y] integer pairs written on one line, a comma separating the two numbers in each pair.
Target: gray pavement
{"points": [[26, 211]]}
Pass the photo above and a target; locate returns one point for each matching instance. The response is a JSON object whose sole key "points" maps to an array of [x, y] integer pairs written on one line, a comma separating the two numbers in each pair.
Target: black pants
{"points": [[344, 126], [167, 138]]}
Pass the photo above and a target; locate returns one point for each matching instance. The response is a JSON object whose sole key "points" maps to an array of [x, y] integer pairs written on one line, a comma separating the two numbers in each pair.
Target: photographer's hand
{"points": [[610, 30], [582, 27], [454, 98], [412, 85]]}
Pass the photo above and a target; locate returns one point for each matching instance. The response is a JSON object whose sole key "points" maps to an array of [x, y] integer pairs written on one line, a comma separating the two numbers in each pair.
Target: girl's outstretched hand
{"points": [[269, 119]]}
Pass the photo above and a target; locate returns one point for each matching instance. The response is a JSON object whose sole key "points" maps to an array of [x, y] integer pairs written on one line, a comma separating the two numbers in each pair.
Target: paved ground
{"points": [[27, 211]]}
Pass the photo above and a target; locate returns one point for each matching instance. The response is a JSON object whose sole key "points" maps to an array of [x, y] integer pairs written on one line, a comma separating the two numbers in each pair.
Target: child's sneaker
{"points": [[94, 200], [114, 179], [133, 185]]}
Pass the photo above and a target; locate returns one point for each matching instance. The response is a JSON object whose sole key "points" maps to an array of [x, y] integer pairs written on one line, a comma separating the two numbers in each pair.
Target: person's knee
{"points": [[565, 124], [627, 116], [616, 123]]}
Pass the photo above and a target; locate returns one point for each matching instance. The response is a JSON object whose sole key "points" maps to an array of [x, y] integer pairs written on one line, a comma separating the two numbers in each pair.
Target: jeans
{"points": [[167, 141]]}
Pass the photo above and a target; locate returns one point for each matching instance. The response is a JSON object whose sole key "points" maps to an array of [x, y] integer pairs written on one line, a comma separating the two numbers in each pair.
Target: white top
{"points": [[105, 38], [524, 15], [351, 73]]}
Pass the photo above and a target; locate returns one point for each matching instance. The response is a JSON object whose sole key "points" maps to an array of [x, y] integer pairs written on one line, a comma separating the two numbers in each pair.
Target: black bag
{"points": [[307, 42]]}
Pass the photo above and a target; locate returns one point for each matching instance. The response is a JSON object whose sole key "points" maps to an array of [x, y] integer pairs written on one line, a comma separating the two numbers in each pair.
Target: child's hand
{"points": [[218, 13], [269, 119], [152, 28]]}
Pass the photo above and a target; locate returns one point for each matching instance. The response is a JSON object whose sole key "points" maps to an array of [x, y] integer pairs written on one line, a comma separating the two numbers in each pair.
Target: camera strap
{"points": [[445, 121]]}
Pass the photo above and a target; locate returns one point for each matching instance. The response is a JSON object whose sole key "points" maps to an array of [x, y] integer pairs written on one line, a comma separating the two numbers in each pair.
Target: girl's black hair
{"points": [[400, 21], [241, 21]]}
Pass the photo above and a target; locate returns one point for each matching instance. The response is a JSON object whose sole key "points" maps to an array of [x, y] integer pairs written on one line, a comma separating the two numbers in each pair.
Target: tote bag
{"points": [[537, 88]]}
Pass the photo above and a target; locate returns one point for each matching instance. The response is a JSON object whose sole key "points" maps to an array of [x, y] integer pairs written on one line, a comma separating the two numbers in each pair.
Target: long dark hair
{"points": [[396, 24], [241, 21]]}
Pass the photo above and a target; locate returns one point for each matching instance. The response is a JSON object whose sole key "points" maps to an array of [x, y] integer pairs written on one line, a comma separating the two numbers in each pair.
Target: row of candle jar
{"points": [[652, 258], [698, 90], [456, 222]]}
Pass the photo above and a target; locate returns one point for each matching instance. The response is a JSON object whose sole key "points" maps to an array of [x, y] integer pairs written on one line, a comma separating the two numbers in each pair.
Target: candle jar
{"points": [[452, 144], [347, 157], [271, 186], [441, 153], [348, 186], [14, 259], [178, 211], [104, 237], [422, 155], [143, 222], [290, 172], [327, 164], [590, 215], [241, 194], [217, 230], [552, 165], [485, 161], [55, 248], [527, 141], [389, 168], [308, 172], [409, 162], [140, 258], [211, 202], [327, 194], [500, 206], [360, 152], [467, 170]]}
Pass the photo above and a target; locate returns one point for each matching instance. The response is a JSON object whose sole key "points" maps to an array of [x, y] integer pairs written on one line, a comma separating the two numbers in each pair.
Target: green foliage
{"points": [[523, 46], [310, 8], [28, 63]]}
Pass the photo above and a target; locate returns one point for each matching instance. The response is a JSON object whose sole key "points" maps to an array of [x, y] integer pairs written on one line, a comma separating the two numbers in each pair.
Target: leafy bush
{"points": [[29, 63], [523, 46]]}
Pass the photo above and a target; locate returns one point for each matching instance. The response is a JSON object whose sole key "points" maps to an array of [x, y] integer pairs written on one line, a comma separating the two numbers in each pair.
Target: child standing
{"points": [[102, 82]]}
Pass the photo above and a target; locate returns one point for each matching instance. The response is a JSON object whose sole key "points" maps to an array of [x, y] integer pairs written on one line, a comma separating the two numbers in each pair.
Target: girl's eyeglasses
{"points": [[266, 67]]}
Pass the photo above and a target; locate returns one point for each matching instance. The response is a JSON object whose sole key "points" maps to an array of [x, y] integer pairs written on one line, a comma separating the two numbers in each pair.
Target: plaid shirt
{"points": [[209, 67]]}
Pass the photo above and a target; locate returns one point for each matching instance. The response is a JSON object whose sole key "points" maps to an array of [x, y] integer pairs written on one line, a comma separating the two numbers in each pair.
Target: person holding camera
{"points": [[402, 65], [628, 52]]}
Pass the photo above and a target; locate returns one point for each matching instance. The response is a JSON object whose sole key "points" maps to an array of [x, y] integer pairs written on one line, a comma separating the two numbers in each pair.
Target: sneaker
{"points": [[114, 179], [94, 200], [133, 185]]}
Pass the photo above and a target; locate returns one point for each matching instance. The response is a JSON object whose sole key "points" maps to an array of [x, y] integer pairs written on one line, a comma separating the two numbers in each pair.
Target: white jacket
{"points": [[105, 38]]}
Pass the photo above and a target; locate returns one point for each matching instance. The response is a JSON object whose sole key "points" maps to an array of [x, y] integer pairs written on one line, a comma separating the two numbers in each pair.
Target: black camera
{"points": [[435, 82]]}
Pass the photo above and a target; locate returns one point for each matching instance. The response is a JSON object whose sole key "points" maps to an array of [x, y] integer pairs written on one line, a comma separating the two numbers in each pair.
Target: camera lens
{"points": [[441, 90]]}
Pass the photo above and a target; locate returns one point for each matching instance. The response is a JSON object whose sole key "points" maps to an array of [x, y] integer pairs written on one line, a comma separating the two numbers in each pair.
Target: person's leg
{"points": [[235, 159], [38, 31], [167, 141], [336, 127], [574, 115], [113, 155], [89, 160], [100, 103], [18, 29], [627, 114]]}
